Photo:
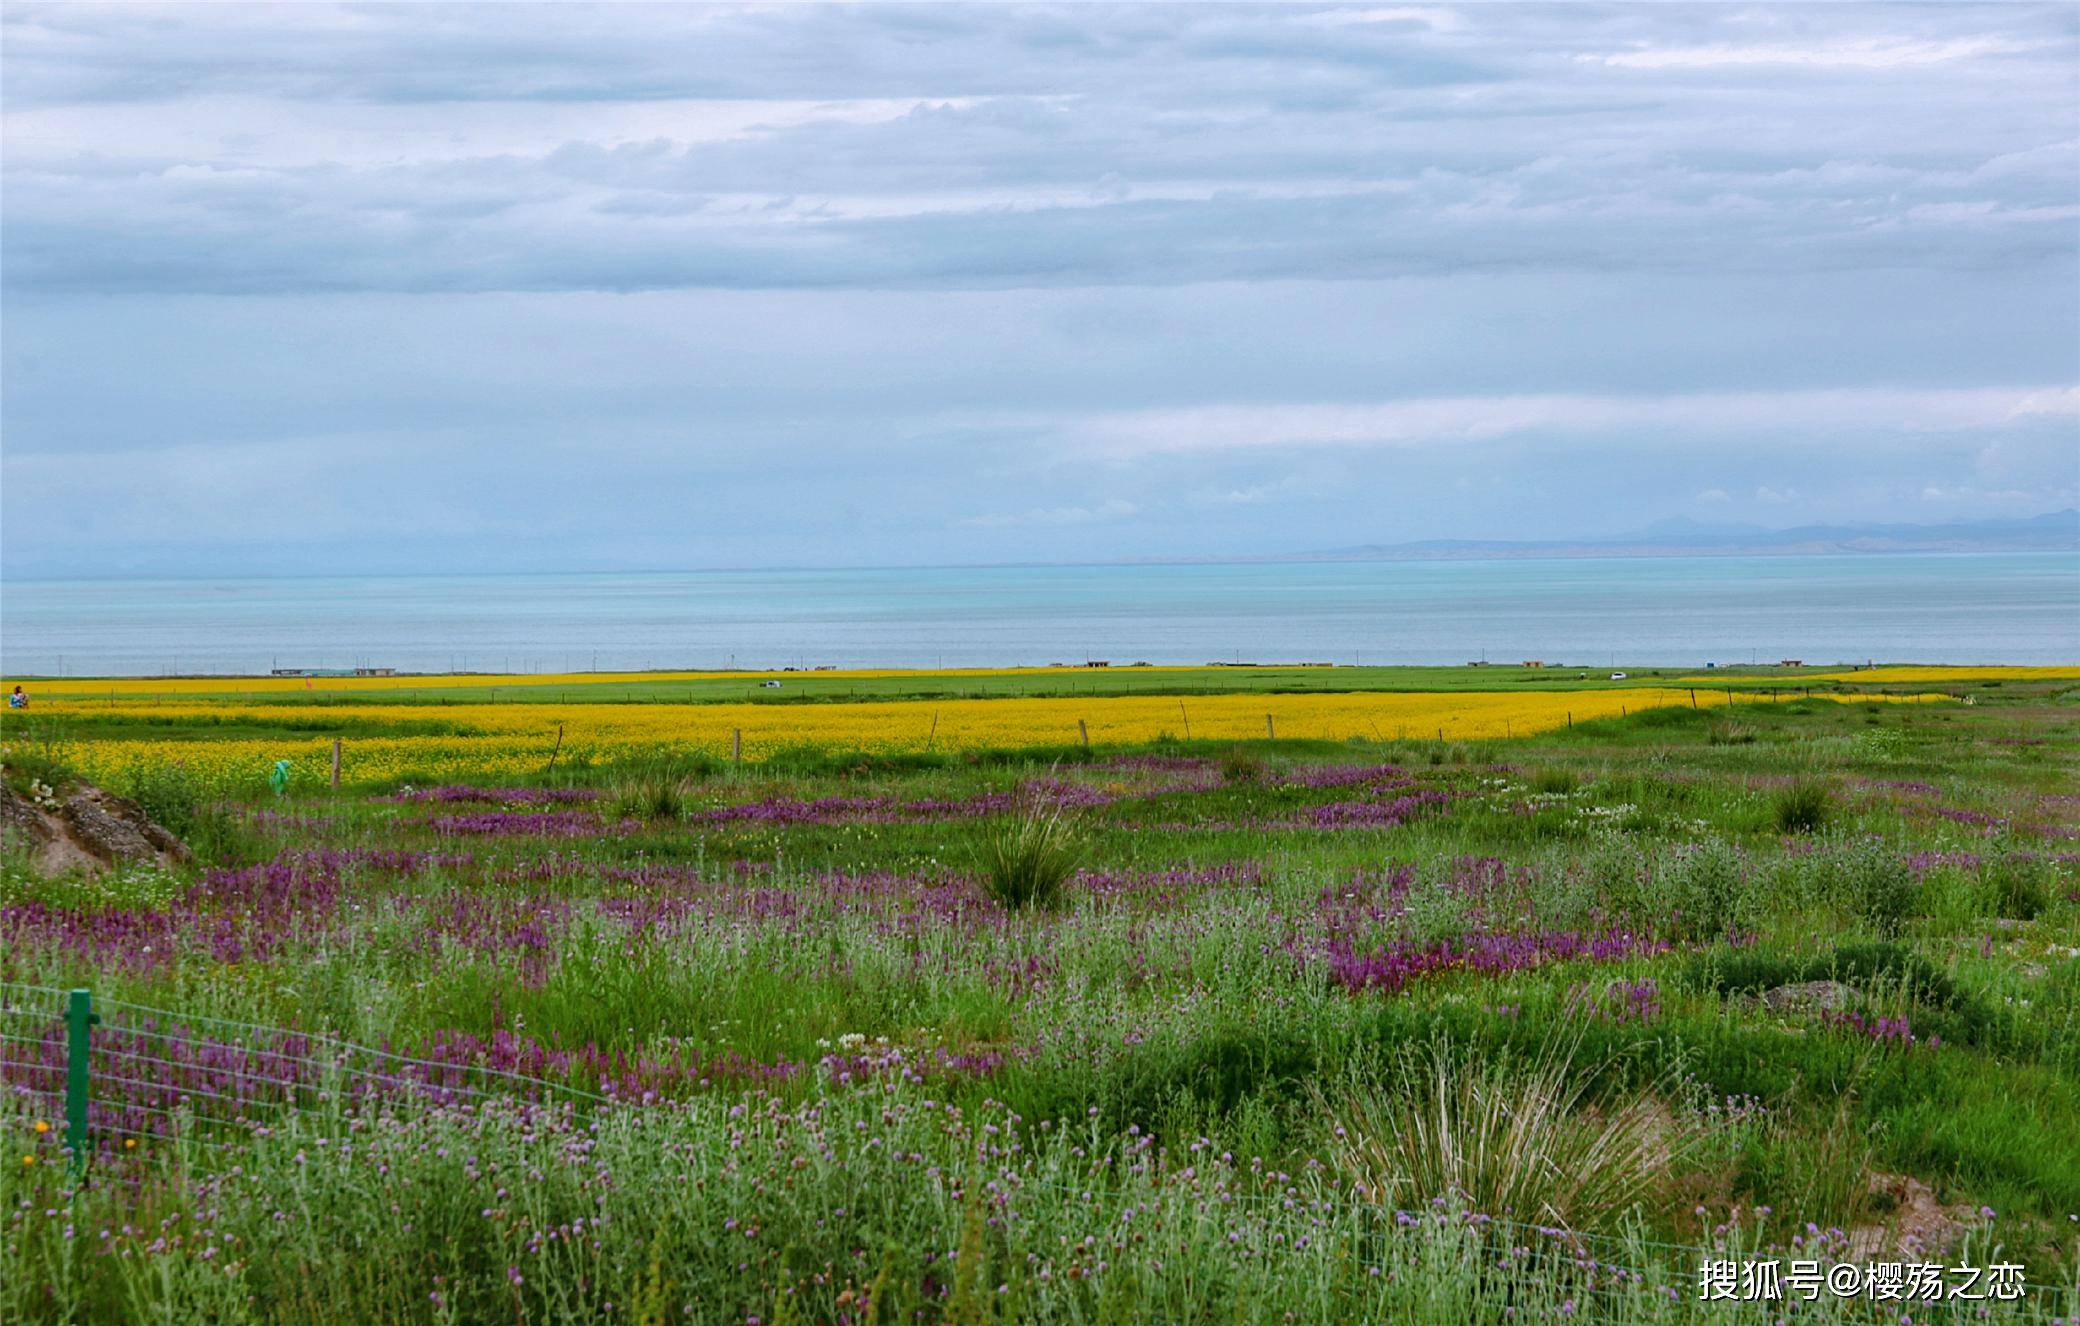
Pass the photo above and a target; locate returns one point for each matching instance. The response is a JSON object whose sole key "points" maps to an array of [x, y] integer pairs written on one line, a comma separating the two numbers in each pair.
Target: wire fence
{"points": [[118, 1073]]}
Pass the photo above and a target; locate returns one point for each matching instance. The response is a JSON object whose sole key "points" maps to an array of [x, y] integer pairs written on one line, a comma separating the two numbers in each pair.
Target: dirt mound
{"points": [[89, 830], [1917, 1225]]}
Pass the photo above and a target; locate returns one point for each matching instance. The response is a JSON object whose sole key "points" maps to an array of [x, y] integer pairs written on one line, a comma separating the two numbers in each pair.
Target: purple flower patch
{"points": [[519, 823], [1391, 968]]}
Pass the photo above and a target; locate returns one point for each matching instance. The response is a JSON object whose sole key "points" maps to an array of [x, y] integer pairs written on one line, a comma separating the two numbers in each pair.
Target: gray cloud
{"points": [[986, 147], [679, 285]]}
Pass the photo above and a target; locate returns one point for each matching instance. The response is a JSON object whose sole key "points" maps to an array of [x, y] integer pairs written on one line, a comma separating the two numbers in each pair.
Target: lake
{"points": [[1673, 611]]}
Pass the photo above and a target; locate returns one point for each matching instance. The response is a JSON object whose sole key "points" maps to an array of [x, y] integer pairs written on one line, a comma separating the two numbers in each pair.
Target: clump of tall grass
{"points": [[1516, 1139], [1802, 807], [1026, 859], [651, 797], [1239, 766]]}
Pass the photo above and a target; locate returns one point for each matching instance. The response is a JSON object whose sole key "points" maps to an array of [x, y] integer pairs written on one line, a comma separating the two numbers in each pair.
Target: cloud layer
{"points": [[380, 285]]}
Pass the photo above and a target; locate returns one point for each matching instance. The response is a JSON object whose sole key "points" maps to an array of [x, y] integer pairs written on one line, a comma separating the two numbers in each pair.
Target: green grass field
{"points": [[1798, 980]]}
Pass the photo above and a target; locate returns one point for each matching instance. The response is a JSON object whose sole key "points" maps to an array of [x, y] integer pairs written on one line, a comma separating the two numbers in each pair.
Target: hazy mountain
{"points": [[2055, 531]]}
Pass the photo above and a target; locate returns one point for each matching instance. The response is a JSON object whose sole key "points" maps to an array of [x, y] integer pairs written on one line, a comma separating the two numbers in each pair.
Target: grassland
{"points": [[1790, 977]]}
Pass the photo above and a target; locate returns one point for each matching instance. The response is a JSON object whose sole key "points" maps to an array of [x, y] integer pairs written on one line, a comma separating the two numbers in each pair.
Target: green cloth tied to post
{"points": [[279, 779]]}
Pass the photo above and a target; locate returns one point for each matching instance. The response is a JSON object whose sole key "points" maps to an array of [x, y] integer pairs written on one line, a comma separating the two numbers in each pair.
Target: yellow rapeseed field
{"points": [[505, 740], [1939, 674]]}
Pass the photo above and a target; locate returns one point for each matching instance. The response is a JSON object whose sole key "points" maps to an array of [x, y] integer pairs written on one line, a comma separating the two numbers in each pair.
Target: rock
{"points": [[19, 817], [99, 826], [1830, 996], [162, 838], [90, 832]]}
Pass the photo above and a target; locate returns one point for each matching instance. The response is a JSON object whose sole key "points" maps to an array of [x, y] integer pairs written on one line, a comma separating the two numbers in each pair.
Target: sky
{"points": [[394, 288]]}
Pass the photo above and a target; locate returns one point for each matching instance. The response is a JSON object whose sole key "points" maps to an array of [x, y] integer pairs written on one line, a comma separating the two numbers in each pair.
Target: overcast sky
{"points": [[420, 287]]}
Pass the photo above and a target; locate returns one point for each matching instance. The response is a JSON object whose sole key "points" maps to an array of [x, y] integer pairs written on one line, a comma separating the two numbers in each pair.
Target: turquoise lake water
{"points": [[1948, 608]]}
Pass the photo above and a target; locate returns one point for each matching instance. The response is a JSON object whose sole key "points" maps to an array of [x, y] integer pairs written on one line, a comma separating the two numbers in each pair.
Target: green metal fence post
{"points": [[79, 1018]]}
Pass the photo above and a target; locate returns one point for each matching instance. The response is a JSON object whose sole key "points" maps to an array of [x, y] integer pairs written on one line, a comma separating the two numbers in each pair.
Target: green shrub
{"points": [[194, 810], [1865, 966], [1885, 743], [1618, 874], [1706, 886], [26, 769], [1874, 884], [1027, 859], [2016, 888], [1554, 781]]}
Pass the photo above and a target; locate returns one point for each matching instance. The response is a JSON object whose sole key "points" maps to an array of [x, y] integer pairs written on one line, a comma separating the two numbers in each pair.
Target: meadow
{"points": [[1463, 996]]}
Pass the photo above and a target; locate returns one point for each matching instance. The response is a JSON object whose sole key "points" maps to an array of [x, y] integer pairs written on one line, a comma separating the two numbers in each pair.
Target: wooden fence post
{"points": [[1270, 732], [1085, 730], [555, 752], [1187, 718], [335, 764]]}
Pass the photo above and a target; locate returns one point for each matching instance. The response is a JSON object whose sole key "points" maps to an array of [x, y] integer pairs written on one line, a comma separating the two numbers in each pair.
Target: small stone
{"points": [[1831, 996]]}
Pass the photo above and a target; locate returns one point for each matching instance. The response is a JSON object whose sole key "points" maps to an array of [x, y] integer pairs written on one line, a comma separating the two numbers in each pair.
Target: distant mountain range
{"points": [[2055, 531]]}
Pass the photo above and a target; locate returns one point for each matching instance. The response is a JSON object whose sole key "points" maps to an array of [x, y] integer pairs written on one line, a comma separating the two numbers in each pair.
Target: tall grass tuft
{"points": [[651, 797], [1803, 807], [1509, 1138], [1239, 767], [1026, 859]]}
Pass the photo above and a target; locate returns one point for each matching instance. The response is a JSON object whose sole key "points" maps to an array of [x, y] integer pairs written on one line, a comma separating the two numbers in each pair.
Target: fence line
{"points": [[152, 1073], [70, 1018]]}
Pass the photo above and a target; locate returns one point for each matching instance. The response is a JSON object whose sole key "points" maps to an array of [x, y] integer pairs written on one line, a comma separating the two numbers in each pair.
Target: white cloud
{"points": [[1429, 16], [1445, 419], [2051, 401], [1114, 509], [1867, 53]]}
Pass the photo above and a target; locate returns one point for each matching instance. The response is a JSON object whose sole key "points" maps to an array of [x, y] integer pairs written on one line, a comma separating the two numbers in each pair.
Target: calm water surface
{"points": [[1979, 608]]}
